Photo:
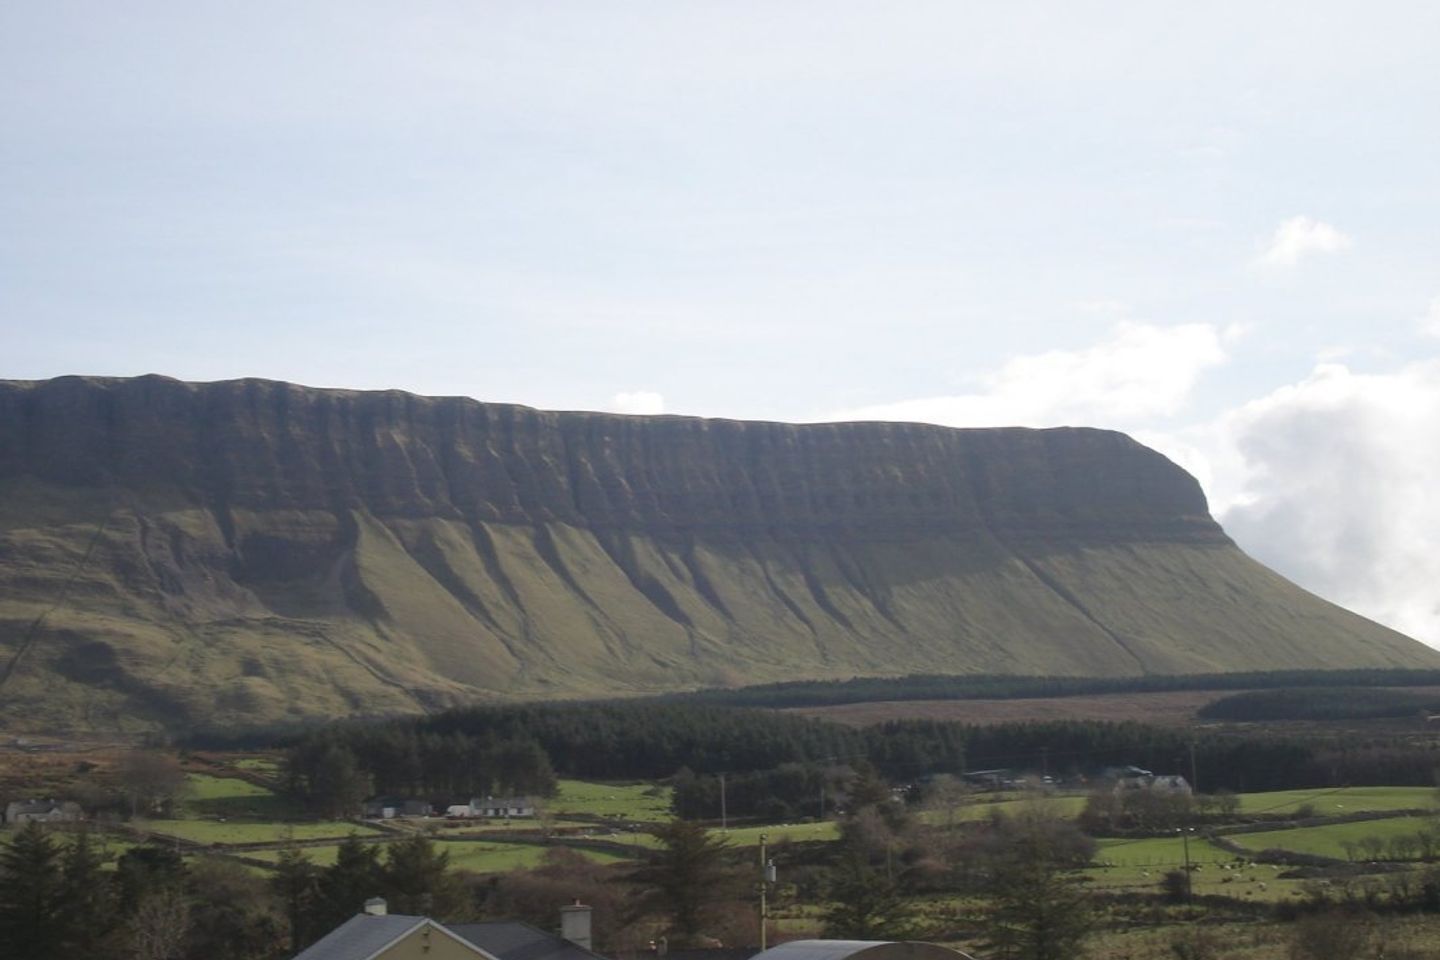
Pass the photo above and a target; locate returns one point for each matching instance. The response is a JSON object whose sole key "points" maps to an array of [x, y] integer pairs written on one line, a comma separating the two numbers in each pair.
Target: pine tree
{"points": [[865, 903], [296, 883], [338, 786], [418, 881], [1038, 910], [685, 881], [90, 897], [33, 923], [354, 878]]}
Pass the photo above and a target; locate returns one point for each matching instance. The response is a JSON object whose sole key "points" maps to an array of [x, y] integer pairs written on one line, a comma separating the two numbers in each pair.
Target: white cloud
{"points": [[1430, 323], [638, 402], [1142, 372], [1301, 237], [1331, 481]]}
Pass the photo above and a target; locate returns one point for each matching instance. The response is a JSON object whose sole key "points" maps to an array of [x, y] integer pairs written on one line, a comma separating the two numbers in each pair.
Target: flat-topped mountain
{"points": [[258, 551]]}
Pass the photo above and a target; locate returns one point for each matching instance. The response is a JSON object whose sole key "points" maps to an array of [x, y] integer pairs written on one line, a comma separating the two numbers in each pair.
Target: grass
{"points": [[1139, 865], [211, 796], [473, 856], [263, 765], [977, 808], [825, 831], [233, 832], [203, 787], [1341, 801], [501, 857], [1330, 840], [467, 828], [640, 802]]}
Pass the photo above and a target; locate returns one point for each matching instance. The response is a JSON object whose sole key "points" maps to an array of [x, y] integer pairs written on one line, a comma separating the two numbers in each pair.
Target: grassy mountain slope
{"points": [[251, 551]]}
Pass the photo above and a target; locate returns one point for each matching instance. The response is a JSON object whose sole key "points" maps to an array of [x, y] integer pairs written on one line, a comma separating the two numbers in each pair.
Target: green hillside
{"points": [[174, 554]]}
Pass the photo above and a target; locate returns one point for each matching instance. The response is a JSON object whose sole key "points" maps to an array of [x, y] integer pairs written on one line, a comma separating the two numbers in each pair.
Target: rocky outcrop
{"points": [[259, 550]]}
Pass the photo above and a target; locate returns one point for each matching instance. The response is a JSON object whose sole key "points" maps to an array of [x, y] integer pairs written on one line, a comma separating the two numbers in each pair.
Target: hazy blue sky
{"points": [[1211, 225]]}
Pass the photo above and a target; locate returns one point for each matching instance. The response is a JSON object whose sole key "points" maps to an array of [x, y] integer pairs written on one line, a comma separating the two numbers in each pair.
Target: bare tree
{"points": [[151, 781], [159, 926]]}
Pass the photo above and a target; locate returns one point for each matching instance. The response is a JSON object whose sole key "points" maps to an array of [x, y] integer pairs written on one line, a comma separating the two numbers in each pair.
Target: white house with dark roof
{"points": [[43, 811]]}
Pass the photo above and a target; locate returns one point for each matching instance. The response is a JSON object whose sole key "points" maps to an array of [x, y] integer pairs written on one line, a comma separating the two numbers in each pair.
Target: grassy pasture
{"points": [[262, 765], [468, 828], [239, 831], [464, 855], [1139, 865], [1330, 840], [1342, 801], [640, 802], [978, 808], [212, 796], [793, 832]]}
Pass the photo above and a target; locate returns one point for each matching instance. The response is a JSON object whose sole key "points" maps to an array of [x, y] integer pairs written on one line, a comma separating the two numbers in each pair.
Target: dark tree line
{"points": [[1321, 703], [773, 756], [644, 740], [333, 770], [411, 876], [59, 898], [814, 693], [787, 792]]}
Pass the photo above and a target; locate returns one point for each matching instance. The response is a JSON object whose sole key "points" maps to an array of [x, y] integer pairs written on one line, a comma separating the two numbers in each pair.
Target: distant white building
{"points": [[43, 811], [502, 807], [1172, 785]]}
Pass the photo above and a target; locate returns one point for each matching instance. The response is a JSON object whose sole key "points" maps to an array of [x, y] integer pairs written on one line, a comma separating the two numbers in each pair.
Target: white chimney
{"points": [[375, 907], [575, 924]]}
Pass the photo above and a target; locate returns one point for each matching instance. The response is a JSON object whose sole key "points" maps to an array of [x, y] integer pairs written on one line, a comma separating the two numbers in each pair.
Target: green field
{"points": [[464, 855], [1162, 853], [640, 802], [1344, 800], [467, 828], [1139, 865], [212, 796], [976, 808], [261, 765], [1330, 840], [239, 831], [792, 832]]}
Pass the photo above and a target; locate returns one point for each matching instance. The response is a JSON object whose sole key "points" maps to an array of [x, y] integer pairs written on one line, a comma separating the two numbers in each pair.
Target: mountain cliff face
{"points": [[253, 550]]}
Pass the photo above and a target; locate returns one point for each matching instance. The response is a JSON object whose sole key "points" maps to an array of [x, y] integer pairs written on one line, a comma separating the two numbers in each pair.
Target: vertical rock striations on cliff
{"points": [[258, 550]]}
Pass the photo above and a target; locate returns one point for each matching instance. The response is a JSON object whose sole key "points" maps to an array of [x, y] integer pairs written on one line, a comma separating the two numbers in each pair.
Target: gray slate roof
{"points": [[820, 949], [360, 937], [510, 940], [869, 949]]}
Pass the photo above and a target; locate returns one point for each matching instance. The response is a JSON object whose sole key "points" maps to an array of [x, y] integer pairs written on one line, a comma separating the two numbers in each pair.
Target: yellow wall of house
{"points": [[428, 943]]}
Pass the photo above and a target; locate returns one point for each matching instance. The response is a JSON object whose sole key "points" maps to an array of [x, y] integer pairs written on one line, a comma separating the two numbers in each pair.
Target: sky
{"points": [[1213, 226]]}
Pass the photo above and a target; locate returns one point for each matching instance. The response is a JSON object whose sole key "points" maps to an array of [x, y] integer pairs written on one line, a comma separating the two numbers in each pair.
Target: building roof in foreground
{"points": [[856, 949], [511, 940], [364, 936]]}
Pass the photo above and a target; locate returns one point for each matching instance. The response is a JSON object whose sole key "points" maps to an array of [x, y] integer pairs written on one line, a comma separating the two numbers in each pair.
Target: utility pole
{"points": [[723, 820], [765, 870], [1185, 841]]}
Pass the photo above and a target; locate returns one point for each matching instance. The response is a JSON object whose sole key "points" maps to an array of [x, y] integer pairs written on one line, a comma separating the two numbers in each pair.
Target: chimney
{"points": [[375, 907], [575, 924]]}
